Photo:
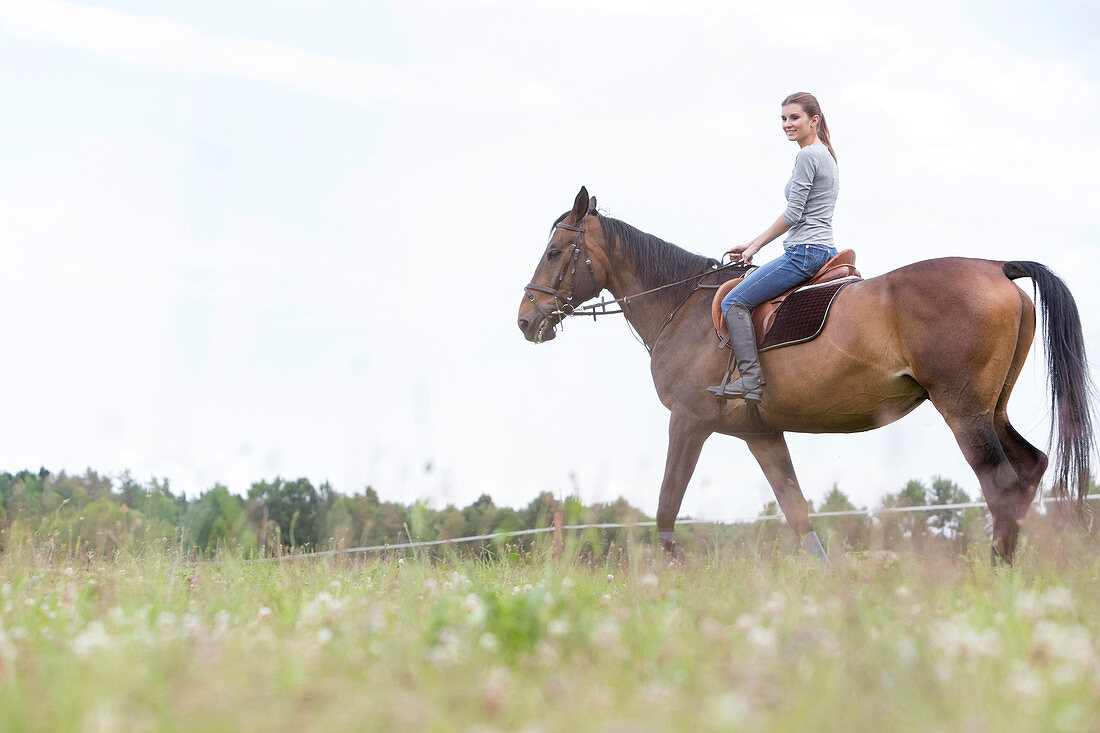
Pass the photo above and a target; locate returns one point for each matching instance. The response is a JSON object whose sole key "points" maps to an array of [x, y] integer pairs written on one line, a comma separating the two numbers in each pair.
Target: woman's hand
{"points": [[742, 253]]}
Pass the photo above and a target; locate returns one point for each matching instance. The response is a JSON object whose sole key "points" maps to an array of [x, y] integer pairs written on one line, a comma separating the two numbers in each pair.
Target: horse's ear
{"points": [[580, 204], [592, 205]]}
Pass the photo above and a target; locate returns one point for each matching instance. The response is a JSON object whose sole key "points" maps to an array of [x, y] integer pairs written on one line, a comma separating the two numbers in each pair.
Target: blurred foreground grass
{"points": [[881, 642]]}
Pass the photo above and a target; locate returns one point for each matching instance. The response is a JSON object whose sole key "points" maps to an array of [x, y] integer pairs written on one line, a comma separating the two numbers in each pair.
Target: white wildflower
{"points": [[744, 622], [1068, 643], [730, 708], [958, 639], [474, 608], [906, 649], [324, 636], [445, 652], [1029, 604], [761, 638], [8, 650], [191, 624], [610, 577], [557, 627], [494, 690], [166, 622], [92, 639], [1024, 682], [488, 642], [606, 633], [264, 613], [1058, 600], [774, 605], [546, 653]]}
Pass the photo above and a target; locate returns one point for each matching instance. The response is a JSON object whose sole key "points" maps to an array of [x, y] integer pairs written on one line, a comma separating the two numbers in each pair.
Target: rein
{"points": [[564, 307]]}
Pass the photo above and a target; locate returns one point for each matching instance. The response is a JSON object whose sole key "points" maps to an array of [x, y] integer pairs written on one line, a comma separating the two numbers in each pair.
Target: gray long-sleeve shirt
{"points": [[811, 196]]}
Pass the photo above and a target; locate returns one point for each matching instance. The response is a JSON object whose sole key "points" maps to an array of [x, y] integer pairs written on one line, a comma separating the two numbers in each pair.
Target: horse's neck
{"points": [[647, 313]]}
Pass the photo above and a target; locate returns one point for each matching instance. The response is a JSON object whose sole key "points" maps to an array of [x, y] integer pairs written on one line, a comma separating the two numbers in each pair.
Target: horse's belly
{"points": [[850, 413], [829, 389]]}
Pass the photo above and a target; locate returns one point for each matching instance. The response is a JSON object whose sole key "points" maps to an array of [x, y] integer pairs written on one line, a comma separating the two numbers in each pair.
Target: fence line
{"points": [[614, 525]]}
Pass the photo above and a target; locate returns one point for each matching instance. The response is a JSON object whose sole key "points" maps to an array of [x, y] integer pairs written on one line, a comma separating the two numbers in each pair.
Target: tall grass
{"points": [[745, 639]]}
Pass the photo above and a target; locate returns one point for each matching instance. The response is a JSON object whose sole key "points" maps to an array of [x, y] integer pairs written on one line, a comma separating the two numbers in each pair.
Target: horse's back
{"points": [[892, 336]]}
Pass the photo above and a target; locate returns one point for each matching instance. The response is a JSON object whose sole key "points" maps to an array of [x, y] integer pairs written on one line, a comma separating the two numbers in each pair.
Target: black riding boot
{"points": [[750, 384]]}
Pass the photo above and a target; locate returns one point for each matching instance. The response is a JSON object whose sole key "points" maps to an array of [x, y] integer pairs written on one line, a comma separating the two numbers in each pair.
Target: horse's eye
{"points": [[553, 255]]}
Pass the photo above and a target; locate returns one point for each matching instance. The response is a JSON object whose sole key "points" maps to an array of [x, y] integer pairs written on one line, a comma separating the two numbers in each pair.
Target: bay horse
{"points": [[954, 331]]}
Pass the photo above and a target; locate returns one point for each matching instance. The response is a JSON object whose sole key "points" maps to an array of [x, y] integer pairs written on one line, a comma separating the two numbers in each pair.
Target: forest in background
{"points": [[94, 512]]}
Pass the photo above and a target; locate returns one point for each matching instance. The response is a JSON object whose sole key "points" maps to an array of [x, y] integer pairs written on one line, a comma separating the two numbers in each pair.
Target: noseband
{"points": [[563, 303]]}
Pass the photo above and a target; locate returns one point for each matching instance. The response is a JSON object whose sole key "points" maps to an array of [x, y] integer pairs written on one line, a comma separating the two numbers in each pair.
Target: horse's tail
{"points": [[1068, 378]]}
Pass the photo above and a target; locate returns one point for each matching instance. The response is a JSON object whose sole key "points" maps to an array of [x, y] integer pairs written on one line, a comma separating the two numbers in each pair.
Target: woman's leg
{"points": [[794, 267], [790, 270]]}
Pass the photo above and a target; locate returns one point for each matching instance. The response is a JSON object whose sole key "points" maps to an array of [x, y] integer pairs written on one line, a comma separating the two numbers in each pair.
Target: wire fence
{"points": [[630, 525]]}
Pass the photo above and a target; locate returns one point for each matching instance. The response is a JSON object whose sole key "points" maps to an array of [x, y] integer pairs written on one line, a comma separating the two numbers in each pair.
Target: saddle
{"points": [[839, 268]]}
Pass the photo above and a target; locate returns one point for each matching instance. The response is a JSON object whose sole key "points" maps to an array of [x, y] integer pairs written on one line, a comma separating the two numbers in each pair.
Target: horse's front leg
{"points": [[770, 451], [685, 441]]}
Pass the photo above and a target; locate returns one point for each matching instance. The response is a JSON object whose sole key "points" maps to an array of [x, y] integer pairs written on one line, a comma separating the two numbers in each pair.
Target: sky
{"points": [[289, 238]]}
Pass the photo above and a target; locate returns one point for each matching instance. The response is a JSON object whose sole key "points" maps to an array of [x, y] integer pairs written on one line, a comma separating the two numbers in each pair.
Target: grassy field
{"points": [[720, 642]]}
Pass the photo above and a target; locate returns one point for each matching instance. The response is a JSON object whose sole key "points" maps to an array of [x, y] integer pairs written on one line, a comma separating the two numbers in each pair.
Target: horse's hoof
{"points": [[673, 552]]}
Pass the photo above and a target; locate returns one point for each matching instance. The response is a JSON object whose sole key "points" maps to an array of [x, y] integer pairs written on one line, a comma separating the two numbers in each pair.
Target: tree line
{"points": [[95, 512]]}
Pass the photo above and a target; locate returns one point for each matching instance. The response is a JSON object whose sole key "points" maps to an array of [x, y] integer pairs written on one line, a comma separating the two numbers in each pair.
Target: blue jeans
{"points": [[794, 267]]}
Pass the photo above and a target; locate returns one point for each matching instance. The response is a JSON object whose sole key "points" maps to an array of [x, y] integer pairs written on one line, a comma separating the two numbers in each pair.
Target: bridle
{"points": [[563, 303]]}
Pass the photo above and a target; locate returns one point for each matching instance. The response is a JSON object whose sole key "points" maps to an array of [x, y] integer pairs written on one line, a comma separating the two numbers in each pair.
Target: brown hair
{"points": [[810, 105]]}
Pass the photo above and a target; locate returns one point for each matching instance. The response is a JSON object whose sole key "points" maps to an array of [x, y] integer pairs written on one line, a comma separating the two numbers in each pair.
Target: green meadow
{"points": [[722, 640]]}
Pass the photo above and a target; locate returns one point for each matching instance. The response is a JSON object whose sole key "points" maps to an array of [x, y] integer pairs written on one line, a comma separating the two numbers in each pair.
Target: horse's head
{"points": [[567, 275]]}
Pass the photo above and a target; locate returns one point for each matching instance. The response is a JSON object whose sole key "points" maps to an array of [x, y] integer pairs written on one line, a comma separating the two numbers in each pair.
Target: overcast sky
{"points": [[250, 239]]}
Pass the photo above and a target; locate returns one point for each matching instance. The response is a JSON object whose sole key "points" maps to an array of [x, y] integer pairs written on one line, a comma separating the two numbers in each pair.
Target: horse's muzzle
{"points": [[537, 329]]}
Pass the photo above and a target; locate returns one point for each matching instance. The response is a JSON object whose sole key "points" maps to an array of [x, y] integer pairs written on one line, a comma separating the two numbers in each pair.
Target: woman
{"points": [[808, 219]]}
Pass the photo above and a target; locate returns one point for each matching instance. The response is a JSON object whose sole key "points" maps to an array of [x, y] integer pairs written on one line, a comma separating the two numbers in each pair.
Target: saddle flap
{"points": [[841, 266]]}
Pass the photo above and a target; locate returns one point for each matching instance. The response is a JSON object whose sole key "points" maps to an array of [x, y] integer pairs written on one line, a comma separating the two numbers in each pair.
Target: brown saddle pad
{"points": [[801, 317], [843, 266]]}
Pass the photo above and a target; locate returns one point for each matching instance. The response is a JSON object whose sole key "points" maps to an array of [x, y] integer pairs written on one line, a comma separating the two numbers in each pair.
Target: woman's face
{"points": [[798, 125]]}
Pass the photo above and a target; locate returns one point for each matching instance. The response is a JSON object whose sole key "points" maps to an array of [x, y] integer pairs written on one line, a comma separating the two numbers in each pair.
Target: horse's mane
{"points": [[656, 261]]}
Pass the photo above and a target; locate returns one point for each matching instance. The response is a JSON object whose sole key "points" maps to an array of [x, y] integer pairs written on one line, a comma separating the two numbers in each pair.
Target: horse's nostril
{"points": [[523, 324]]}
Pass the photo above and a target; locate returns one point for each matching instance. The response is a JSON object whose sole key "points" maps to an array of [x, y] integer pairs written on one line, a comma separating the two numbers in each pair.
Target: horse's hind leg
{"points": [[968, 370], [1030, 462], [1001, 484], [770, 451]]}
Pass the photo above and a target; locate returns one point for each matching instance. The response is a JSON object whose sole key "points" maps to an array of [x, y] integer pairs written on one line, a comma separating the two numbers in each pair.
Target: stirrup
{"points": [[719, 392], [736, 389]]}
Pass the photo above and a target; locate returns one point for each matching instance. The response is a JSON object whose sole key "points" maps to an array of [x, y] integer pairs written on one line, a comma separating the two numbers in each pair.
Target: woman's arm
{"points": [[802, 179], [744, 252]]}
